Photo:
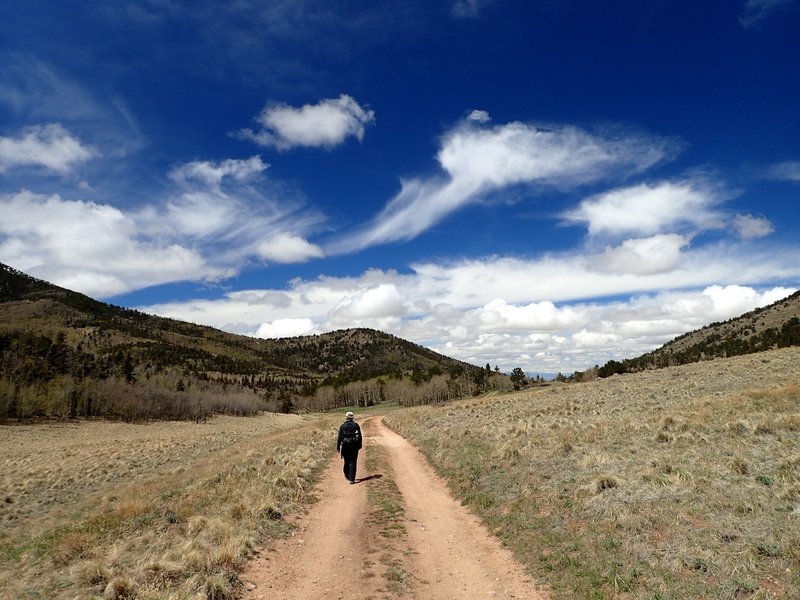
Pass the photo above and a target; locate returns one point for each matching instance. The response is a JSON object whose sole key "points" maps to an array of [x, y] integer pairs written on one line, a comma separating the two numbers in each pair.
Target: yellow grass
{"points": [[680, 483], [164, 510]]}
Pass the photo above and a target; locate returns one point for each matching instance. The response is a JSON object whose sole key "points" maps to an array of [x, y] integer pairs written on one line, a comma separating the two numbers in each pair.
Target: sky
{"points": [[544, 184]]}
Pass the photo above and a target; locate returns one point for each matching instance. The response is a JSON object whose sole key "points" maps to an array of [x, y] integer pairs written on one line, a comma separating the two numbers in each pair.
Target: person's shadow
{"points": [[368, 477]]}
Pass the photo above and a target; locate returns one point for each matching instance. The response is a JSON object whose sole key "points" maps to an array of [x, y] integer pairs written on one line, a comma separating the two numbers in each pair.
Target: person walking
{"points": [[348, 444]]}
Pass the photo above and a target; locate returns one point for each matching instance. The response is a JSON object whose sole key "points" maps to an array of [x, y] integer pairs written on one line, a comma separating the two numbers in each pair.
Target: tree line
{"points": [[715, 345], [91, 374]]}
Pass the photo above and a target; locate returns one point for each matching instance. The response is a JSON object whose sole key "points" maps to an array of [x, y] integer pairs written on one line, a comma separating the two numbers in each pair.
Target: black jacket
{"points": [[349, 427]]}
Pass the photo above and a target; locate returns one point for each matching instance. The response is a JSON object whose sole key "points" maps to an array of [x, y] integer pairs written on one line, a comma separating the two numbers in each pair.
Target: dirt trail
{"points": [[449, 554]]}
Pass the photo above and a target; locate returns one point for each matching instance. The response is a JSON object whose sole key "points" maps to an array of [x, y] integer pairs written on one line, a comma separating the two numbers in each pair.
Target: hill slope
{"points": [[57, 344], [773, 326]]}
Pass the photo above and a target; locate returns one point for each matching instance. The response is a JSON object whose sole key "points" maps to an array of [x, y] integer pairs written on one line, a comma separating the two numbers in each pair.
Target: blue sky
{"points": [[544, 184]]}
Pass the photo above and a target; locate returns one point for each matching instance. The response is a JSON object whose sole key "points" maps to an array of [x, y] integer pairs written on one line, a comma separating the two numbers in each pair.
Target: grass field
{"points": [[163, 510], [680, 483]]}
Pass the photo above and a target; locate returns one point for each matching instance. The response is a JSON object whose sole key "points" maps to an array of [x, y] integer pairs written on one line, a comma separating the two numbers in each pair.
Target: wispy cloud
{"points": [[755, 12], [788, 170], [51, 147], [751, 226], [212, 174], [215, 220], [469, 9], [323, 125], [478, 160], [37, 93]]}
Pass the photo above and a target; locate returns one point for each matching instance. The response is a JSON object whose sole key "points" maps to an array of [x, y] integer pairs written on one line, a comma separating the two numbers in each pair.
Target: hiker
{"points": [[348, 444]]}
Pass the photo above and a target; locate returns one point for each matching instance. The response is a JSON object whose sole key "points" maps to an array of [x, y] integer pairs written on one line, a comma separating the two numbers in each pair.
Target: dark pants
{"points": [[350, 459]]}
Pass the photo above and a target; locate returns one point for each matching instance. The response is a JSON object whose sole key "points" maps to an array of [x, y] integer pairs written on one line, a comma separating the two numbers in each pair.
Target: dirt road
{"points": [[337, 551]]}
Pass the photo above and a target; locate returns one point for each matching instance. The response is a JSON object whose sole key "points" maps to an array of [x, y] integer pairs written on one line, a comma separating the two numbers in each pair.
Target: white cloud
{"points": [[755, 12], [211, 174], [215, 202], [789, 170], [731, 300], [648, 209], [288, 248], [548, 308], [750, 226], [214, 222], [89, 247], [220, 204], [480, 160], [323, 125], [479, 116], [643, 256], [536, 316], [281, 328], [381, 301], [49, 146]]}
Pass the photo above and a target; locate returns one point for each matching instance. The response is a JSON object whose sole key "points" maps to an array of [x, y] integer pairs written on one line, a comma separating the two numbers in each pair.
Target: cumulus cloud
{"points": [[323, 125], [51, 147], [536, 316], [479, 116], [553, 309], [281, 328], [642, 256], [478, 160], [648, 209], [288, 248], [377, 302], [89, 247]]}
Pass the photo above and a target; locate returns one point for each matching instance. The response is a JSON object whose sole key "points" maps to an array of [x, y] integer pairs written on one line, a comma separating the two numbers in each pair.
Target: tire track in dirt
{"points": [[324, 556], [449, 554]]}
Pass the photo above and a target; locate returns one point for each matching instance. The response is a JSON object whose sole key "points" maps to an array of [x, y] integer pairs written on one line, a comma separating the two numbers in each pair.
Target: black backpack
{"points": [[350, 435]]}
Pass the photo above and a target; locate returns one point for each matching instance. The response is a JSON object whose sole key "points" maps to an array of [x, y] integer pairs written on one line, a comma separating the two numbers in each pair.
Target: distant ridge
{"points": [[773, 326], [56, 343]]}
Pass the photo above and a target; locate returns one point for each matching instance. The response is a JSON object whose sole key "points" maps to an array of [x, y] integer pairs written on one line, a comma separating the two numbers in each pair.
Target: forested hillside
{"points": [[773, 326], [64, 354]]}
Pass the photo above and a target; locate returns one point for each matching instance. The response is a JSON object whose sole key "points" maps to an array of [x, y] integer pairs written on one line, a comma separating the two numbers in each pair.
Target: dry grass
{"points": [[679, 483], [166, 510]]}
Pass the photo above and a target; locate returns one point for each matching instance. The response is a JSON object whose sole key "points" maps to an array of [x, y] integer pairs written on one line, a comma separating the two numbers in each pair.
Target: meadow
{"points": [[161, 510], [677, 483]]}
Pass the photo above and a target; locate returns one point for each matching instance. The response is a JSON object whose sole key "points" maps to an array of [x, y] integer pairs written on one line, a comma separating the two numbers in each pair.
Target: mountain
{"points": [[773, 326], [65, 354]]}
